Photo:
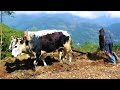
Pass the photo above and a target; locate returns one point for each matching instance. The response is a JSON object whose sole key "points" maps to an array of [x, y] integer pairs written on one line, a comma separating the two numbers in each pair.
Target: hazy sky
{"points": [[84, 14]]}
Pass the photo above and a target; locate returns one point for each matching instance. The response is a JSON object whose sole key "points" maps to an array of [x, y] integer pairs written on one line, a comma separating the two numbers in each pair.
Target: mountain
{"points": [[81, 29], [115, 31]]}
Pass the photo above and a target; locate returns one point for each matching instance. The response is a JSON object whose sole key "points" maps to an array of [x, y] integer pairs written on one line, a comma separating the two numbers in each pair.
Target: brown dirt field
{"points": [[83, 66]]}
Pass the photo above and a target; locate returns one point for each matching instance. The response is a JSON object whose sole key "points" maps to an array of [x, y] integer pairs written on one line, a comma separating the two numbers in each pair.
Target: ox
{"points": [[42, 42]]}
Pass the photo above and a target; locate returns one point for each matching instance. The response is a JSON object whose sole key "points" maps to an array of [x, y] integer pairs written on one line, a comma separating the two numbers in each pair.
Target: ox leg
{"points": [[68, 50], [44, 62], [60, 56], [42, 58], [69, 55], [36, 60], [64, 54], [35, 63]]}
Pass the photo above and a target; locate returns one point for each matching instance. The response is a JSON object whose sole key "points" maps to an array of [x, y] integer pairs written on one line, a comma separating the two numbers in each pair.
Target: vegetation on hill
{"points": [[7, 32]]}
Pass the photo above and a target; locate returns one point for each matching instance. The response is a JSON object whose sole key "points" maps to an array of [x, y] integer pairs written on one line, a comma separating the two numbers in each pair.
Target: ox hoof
{"points": [[35, 63], [65, 62], [34, 69], [61, 61], [45, 64]]}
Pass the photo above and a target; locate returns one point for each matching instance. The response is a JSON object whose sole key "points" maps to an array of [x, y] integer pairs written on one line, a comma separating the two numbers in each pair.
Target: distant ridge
{"points": [[81, 29]]}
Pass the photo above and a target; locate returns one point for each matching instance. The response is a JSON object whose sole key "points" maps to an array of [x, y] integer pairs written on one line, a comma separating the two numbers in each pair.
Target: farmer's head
{"points": [[101, 31]]}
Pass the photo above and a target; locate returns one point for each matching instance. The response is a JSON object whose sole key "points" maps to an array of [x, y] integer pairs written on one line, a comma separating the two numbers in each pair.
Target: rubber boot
{"points": [[116, 57], [112, 60]]}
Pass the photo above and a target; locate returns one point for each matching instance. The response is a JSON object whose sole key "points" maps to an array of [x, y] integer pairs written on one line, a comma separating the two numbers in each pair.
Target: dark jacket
{"points": [[104, 39], [101, 42]]}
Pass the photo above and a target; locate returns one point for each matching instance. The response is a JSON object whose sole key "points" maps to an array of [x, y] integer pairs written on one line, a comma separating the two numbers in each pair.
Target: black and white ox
{"points": [[42, 42]]}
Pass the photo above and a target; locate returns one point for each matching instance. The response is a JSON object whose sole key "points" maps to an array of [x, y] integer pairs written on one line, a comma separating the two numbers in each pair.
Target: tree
{"points": [[34, 28], [1, 19]]}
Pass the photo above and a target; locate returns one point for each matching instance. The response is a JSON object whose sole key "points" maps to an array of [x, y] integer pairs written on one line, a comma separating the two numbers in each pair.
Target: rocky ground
{"points": [[83, 66]]}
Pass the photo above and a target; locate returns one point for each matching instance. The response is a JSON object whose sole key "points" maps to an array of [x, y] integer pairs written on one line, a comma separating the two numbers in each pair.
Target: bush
{"points": [[116, 47], [86, 47]]}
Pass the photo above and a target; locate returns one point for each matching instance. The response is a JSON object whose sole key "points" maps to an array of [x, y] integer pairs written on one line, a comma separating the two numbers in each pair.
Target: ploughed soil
{"points": [[83, 66]]}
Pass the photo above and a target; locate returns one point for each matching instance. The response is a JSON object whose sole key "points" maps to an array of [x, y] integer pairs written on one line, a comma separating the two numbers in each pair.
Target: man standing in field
{"points": [[106, 44]]}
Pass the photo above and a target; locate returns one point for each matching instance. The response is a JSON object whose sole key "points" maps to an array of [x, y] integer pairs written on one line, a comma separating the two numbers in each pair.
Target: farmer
{"points": [[106, 44]]}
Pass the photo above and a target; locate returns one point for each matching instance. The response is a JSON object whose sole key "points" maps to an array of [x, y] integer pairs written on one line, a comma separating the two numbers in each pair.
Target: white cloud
{"points": [[88, 14], [27, 12], [113, 14], [83, 14], [38, 12]]}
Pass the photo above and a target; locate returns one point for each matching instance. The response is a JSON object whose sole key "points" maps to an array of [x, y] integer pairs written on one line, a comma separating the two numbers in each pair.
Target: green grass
{"points": [[90, 47], [116, 47], [86, 47]]}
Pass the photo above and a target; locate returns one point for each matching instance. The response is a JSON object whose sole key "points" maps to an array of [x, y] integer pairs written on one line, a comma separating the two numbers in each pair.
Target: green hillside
{"points": [[7, 32]]}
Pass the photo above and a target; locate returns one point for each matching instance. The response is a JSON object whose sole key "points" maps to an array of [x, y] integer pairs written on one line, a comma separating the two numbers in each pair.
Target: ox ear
{"points": [[22, 41], [16, 40], [27, 42], [25, 38]]}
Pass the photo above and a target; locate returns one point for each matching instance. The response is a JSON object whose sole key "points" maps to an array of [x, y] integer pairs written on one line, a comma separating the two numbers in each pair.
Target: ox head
{"points": [[13, 41], [22, 46], [19, 47]]}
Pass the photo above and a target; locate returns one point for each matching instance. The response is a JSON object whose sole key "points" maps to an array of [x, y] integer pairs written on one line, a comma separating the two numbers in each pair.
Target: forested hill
{"points": [[82, 30]]}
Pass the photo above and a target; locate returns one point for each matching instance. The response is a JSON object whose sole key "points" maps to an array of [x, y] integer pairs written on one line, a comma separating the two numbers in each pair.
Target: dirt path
{"points": [[82, 67]]}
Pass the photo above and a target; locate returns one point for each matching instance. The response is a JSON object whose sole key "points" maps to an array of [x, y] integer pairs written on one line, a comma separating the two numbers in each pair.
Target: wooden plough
{"points": [[79, 51]]}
